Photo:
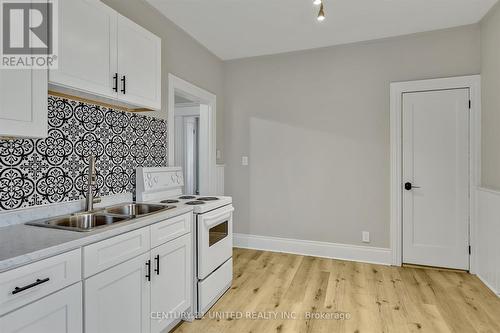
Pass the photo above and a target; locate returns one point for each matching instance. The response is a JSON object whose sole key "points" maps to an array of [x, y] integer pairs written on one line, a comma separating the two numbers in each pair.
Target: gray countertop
{"points": [[22, 244]]}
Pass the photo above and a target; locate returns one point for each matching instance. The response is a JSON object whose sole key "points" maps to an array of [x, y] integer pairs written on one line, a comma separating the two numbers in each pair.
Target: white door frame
{"points": [[472, 82], [189, 90]]}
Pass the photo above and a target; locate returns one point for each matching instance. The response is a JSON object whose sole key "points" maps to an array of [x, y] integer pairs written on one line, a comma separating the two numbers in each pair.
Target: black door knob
{"points": [[409, 186]]}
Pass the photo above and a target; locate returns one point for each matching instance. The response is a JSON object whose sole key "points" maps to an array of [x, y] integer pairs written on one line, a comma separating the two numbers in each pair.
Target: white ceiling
{"points": [[244, 28]]}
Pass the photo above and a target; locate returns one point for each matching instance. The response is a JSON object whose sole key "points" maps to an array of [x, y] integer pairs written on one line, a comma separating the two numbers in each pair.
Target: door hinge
{"points": [[470, 104], [470, 250]]}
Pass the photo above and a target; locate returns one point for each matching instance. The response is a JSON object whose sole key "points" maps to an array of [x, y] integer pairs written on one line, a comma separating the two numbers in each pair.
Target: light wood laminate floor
{"points": [[376, 298]]}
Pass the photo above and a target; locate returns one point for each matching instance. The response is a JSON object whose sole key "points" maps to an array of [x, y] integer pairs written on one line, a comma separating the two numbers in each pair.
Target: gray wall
{"points": [[490, 71], [315, 125], [182, 56]]}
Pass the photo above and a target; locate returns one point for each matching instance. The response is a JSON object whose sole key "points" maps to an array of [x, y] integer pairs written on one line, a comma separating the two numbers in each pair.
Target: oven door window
{"points": [[217, 233]]}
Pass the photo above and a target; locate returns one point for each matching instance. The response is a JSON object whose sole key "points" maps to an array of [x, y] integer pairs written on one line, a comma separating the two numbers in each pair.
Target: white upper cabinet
{"points": [[105, 56], [23, 103], [87, 47], [139, 64]]}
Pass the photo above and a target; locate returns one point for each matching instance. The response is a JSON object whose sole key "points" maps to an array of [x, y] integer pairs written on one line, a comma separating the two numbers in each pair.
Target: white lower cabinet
{"points": [[23, 285], [171, 287], [60, 312], [148, 293], [129, 287], [118, 300]]}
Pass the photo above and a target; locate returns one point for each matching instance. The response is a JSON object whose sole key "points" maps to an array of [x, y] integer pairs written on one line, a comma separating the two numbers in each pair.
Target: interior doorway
{"points": [[192, 135], [435, 168], [436, 177], [187, 139]]}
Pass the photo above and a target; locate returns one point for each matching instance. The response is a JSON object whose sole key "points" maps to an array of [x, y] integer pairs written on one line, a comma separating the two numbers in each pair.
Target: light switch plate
{"points": [[244, 160]]}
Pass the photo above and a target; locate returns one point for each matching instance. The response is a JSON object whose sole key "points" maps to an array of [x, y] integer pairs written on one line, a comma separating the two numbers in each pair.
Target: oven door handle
{"points": [[212, 220]]}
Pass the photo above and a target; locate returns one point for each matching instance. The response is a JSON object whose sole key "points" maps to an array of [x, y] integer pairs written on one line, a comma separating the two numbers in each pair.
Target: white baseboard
{"points": [[374, 255]]}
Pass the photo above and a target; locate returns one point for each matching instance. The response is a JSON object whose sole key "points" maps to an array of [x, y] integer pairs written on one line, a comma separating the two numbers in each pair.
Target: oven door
{"points": [[215, 239]]}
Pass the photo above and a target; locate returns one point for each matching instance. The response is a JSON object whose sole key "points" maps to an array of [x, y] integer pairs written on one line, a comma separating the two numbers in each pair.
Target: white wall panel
{"points": [[488, 230]]}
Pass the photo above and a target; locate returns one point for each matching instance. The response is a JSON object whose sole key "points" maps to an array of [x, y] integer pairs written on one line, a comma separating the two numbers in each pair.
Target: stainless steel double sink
{"points": [[89, 221]]}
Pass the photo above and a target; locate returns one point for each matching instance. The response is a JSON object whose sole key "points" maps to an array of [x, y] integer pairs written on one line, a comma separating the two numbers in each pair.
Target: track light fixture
{"points": [[321, 14]]}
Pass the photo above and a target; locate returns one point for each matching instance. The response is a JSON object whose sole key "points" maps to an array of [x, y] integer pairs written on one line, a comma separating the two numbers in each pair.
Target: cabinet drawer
{"points": [[58, 313], [113, 251], [39, 279], [214, 286], [170, 229]]}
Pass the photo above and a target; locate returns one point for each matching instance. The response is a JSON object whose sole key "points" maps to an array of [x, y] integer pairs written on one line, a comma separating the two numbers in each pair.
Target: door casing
{"points": [[397, 89], [207, 131]]}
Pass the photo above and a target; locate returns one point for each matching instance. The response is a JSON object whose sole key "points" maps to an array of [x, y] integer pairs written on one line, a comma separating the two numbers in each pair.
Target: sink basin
{"points": [[105, 217], [136, 209], [80, 222]]}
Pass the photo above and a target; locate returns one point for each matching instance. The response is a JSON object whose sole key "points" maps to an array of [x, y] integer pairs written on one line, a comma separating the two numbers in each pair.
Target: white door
{"points": [[118, 300], [436, 178], [139, 65], [172, 276], [87, 48], [58, 313]]}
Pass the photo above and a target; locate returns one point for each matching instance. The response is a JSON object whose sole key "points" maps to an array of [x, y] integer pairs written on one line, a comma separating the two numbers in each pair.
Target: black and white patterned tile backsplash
{"points": [[54, 169]]}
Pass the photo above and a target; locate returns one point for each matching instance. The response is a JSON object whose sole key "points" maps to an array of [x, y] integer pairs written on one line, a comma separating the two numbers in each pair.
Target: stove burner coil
{"points": [[195, 202], [170, 201], [208, 198]]}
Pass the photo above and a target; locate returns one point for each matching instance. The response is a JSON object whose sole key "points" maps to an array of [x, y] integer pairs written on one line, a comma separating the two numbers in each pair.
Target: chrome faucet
{"points": [[92, 177]]}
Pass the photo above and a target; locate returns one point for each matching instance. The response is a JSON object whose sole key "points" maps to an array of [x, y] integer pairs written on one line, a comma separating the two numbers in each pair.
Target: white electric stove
{"points": [[212, 231]]}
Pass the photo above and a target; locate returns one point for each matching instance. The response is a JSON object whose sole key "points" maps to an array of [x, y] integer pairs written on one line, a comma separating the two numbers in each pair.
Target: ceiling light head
{"points": [[321, 14], [317, 2]]}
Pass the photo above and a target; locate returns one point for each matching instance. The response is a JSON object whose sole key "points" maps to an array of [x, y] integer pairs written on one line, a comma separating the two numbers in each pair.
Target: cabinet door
{"points": [[23, 103], [58, 313], [118, 300], [139, 65], [171, 290], [87, 47]]}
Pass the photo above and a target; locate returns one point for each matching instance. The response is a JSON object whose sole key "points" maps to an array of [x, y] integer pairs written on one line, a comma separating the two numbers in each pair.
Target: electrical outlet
{"points": [[219, 154], [244, 160], [366, 237]]}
